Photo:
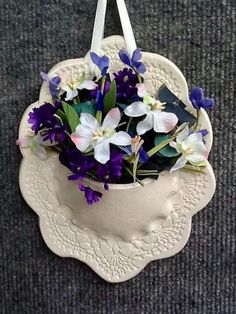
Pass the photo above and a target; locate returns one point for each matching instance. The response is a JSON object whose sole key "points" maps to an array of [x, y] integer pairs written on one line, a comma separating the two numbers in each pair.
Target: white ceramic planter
{"points": [[132, 225]]}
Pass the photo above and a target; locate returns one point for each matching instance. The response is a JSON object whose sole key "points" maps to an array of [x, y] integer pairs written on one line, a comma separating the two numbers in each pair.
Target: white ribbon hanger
{"points": [[126, 27], [98, 29], [99, 23]]}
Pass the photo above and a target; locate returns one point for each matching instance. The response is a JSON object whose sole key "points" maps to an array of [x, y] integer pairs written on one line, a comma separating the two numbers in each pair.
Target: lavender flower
{"points": [[53, 83], [112, 170], [204, 132], [199, 101], [91, 195], [55, 134], [78, 163], [42, 117], [126, 82], [134, 61], [101, 62]]}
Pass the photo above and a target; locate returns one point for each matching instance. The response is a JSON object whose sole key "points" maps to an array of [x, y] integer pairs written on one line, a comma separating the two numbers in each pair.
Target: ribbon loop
{"points": [[99, 23]]}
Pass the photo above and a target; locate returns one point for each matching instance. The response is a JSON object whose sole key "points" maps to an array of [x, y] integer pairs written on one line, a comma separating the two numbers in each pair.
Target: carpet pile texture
{"points": [[199, 37]]}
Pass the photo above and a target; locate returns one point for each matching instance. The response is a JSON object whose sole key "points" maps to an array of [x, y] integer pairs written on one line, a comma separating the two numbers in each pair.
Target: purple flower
{"points": [[43, 117], [126, 82], [143, 156], [112, 170], [199, 101], [204, 132], [55, 134], [78, 163], [101, 62], [99, 101], [134, 61], [94, 93], [91, 195], [53, 83]]}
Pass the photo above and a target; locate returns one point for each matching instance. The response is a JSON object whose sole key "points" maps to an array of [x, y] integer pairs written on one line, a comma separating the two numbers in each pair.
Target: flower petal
{"points": [[192, 138], [103, 63], [183, 134], [196, 158], [173, 144], [124, 57], [136, 109], [207, 103], [141, 90], [82, 143], [83, 131], [70, 94], [102, 151], [140, 67], [89, 85], [112, 119], [199, 154], [180, 163], [164, 122], [23, 142], [120, 138], [89, 121], [44, 76], [95, 58], [145, 125], [137, 55], [196, 96]]}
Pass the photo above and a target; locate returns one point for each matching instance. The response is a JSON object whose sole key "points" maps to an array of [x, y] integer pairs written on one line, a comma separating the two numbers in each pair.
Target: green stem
{"points": [[198, 118], [128, 124], [129, 172], [158, 147], [103, 84], [148, 174], [99, 116]]}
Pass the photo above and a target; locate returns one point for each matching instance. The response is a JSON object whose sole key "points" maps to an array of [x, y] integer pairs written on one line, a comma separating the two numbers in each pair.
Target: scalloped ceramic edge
{"points": [[116, 241]]}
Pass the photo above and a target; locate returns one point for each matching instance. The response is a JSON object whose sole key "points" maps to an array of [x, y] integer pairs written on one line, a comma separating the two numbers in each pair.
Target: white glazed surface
{"points": [[132, 225]]}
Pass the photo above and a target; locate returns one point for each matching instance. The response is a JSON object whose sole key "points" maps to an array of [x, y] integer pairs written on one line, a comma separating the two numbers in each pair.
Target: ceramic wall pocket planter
{"points": [[132, 225]]}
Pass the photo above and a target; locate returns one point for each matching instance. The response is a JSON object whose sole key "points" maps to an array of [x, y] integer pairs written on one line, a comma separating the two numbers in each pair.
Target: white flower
{"points": [[160, 121], [35, 143], [90, 135], [191, 147], [71, 87]]}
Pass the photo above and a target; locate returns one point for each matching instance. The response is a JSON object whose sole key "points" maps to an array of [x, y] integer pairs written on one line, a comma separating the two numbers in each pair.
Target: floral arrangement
{"points": [[110, 129]]}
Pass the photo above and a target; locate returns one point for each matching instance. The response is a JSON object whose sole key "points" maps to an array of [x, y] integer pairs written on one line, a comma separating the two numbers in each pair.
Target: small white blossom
{"points": [[191, 148], [156, 118], [90, 135], [71, 87]]}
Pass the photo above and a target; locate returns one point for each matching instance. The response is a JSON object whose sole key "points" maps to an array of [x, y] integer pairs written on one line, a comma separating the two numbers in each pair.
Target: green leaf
{"points": [[61, 115], [109, 100], [191, 168], [166, 151], [71, 116], [85, 107], [135, 166], [158, 147]]}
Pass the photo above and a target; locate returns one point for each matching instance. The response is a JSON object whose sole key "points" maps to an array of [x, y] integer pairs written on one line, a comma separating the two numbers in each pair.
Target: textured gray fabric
{"points": [[197, 35]]}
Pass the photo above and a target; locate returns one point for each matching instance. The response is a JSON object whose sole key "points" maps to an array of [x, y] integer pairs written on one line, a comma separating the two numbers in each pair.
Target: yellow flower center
{"points": [[98, 134], [126, 78], [158, 105]]}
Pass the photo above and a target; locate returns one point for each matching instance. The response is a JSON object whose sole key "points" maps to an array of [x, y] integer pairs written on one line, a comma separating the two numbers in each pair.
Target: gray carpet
{"points": [[199, 36]]}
